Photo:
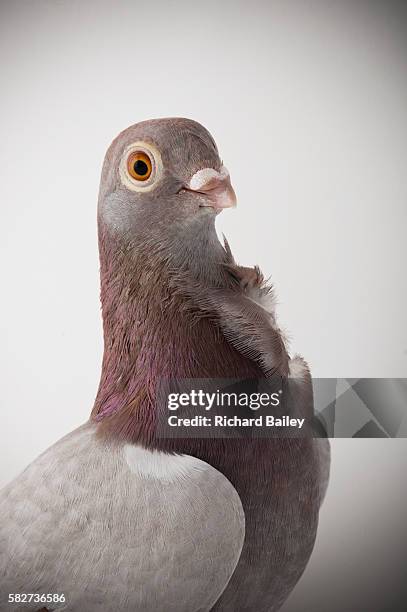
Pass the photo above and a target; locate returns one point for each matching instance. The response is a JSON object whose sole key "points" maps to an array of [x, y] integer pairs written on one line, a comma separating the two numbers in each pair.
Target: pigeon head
{"points": [[162, 179]]}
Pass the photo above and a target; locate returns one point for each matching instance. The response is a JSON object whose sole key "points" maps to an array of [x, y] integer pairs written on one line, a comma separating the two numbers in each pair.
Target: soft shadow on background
{"points": [[308, 104]]}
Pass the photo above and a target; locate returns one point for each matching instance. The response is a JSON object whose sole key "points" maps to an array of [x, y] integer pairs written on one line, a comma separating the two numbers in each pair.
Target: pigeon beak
{"points": [[215, 186]]}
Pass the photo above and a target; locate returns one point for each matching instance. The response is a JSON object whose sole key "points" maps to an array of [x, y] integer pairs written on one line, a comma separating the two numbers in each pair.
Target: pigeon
{"points": [[116, 517]]}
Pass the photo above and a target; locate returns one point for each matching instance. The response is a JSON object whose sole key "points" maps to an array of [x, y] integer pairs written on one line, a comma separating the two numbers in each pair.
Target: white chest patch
{"points": [[161, 466]]}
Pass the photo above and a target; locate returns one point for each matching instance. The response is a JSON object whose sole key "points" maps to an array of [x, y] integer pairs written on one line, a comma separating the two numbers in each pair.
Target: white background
{"points": [[308, 104]]}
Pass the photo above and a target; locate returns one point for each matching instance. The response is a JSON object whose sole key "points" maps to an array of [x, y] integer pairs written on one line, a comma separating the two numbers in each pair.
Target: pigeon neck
{"points": [[144, 320]]}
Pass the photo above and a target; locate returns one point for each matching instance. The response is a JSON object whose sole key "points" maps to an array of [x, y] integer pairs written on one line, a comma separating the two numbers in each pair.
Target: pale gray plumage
{"points": [[79, 521]]}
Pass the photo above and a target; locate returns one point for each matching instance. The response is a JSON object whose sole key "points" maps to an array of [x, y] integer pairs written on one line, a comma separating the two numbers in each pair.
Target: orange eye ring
{"points": [[139, 166]]}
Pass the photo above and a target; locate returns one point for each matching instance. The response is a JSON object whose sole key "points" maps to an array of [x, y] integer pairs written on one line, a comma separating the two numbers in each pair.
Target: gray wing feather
{"points": [[77, 521]]}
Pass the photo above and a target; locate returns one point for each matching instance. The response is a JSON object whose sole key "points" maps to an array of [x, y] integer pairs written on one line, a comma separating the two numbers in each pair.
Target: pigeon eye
{"points": [[139, 166]]}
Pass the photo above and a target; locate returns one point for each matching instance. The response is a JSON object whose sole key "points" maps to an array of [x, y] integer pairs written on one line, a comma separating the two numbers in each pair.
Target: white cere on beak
{"points": [[215, 188], [206, 176]]}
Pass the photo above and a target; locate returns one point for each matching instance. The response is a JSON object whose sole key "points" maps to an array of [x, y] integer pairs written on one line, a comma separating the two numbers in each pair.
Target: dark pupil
{"points": [[140, 167]]}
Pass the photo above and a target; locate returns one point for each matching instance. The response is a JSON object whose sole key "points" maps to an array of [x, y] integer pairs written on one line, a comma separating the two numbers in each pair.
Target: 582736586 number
{"points": [[36, 598]]}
